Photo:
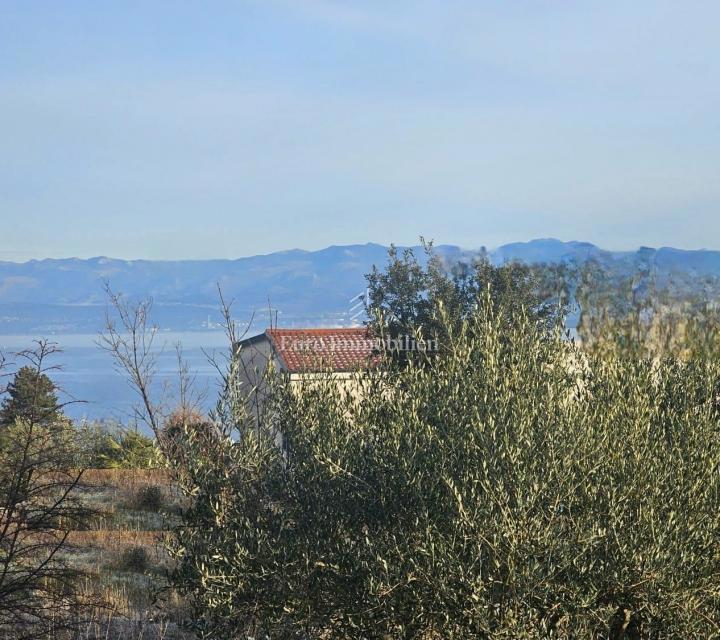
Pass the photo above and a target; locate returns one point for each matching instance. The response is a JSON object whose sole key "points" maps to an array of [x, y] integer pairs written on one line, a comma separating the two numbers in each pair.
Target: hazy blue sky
{"points": [[222, 129]]}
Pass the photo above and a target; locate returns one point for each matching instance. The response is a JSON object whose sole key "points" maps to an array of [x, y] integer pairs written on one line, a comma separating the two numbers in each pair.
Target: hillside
{"points": [[302, 287]]}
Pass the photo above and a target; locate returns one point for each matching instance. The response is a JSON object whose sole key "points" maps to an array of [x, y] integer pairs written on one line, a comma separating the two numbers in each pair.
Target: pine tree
{"points": [[31, 397]]}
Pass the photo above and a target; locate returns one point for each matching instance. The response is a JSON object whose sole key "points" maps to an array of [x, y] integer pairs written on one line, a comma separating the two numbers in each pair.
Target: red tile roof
{"points": [[319, 349]]}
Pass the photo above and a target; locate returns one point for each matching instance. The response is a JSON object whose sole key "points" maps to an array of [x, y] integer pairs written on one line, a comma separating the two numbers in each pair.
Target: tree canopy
{"points": [[429, 297], [31, 397]]}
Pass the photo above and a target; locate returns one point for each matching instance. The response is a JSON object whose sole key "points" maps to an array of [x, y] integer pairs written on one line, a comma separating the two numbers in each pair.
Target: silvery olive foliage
{"points": [[516, 487]]}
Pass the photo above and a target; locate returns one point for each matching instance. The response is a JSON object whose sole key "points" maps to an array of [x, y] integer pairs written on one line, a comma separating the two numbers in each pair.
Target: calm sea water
{"points": [[88, 373]]}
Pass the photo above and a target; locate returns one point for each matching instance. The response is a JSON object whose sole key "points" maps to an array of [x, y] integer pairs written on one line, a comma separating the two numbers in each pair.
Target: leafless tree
{"points": [[39, 508], [130, 338]]}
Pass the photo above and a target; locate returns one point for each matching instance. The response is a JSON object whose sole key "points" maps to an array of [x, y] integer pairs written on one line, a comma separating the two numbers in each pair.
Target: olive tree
{"points": [[516, 487]]}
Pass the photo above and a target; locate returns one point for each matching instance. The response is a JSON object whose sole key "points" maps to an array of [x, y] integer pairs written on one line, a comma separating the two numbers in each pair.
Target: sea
{"points": [[95, 390]]}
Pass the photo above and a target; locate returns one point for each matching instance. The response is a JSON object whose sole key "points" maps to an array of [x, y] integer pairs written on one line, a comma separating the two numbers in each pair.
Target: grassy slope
{"points": [[111, 553]]}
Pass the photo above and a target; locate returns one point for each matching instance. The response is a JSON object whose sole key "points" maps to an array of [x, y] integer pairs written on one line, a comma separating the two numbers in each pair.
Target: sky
{"points": [[220, 129]]}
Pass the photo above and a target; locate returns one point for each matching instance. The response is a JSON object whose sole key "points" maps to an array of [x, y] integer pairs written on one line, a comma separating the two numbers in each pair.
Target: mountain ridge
{"points": [[300, 285]]}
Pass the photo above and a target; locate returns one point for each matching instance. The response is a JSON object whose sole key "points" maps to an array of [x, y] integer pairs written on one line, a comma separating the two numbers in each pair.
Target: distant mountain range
{"points": [[300, 287]]}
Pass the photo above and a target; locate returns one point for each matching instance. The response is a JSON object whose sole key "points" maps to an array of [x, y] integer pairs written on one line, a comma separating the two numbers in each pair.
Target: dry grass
{"points": [[115, 537], [136, 605], [125, 617], [132, 610], [116, 495], [127, 479]]}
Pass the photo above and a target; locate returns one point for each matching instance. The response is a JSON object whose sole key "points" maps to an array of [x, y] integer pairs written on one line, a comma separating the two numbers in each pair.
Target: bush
{"points": [[183, 431], [135, 559], [514, 487], [110, 446], [149, 498]]}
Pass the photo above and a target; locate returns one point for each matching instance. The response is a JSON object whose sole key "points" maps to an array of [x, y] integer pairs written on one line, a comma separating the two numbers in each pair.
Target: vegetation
{"points": [[80, 550], [31, 397], [513, 484], [39, 508], [135, 559], [427, 299], [517, 487], [134, 603], [149, 498], [111, 446]]}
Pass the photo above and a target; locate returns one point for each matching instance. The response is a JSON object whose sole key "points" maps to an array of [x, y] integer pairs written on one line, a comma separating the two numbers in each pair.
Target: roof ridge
{"points": [[312, 330]]}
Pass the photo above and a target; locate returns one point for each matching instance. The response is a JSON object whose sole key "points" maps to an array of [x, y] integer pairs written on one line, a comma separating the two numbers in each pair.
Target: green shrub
{"points": [[110, 446], [515, 487], [135, 559], [138, 451]]}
